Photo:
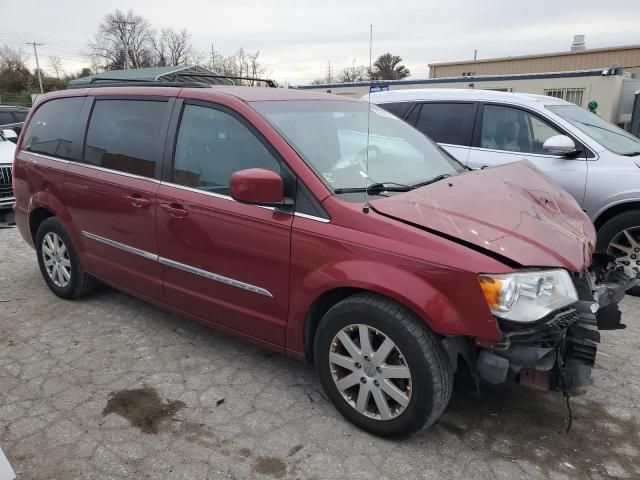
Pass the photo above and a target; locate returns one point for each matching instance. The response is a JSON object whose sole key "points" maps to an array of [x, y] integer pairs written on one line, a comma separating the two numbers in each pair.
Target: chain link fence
{"points": [[22, 99]]}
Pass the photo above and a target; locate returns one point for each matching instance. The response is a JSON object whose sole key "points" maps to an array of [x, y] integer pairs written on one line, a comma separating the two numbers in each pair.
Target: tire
{"points": [[428, 388], [612, 230], [69, 281]]}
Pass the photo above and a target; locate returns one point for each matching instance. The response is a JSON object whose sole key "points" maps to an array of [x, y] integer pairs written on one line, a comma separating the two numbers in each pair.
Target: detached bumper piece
{"points": [[607, 283], [556, 353]]}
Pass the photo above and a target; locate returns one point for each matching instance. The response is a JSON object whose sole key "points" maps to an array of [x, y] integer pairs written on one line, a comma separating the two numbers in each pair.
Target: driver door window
{"points": [[211, 146], [514, 130]]}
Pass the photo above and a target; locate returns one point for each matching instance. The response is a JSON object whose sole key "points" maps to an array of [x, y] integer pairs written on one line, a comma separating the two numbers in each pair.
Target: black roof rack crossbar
{"points": [[269, 82], [99, 83]]}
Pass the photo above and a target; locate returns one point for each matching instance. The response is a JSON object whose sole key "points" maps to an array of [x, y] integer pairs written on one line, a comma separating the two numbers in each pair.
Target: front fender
{"points": [[449, 301]]}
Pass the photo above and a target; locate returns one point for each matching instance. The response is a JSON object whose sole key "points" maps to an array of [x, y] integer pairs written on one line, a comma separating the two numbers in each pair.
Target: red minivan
{"points": [[322, 228]]}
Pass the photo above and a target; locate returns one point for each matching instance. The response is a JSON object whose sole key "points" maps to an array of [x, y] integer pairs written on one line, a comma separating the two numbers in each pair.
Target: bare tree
{"points": [[123, 39], [178, 45], [160, 51], [12, 59], [55, 63], [239, 64], [14, 74], [354, 73]]}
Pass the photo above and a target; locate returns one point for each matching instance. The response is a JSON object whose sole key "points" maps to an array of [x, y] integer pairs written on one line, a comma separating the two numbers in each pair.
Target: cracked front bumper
{"points": [[559, 351]]}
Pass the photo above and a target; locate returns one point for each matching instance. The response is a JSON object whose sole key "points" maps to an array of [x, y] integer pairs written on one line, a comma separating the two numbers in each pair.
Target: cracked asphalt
{"points": [[110, 387]]}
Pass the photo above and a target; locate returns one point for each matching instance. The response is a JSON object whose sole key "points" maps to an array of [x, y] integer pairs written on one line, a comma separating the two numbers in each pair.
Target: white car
{"points": [[595, 161], [7, 151]]}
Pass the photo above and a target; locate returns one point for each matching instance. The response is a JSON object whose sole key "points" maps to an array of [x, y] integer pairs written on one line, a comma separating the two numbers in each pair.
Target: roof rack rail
{"points": [[139, 83], [268, 81]]}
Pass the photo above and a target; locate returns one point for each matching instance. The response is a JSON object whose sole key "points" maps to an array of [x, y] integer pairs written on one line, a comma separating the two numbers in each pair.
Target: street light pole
{"points": [[35, 51]]}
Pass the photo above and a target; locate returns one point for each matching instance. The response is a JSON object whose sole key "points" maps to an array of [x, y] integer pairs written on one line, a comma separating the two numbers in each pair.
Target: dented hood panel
{"points": [[511, 210]]}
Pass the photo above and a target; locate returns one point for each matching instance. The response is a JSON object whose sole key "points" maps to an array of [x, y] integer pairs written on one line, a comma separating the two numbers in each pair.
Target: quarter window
{"points": [[211, 146], [514, 130], [126, 135], [399, 109], [53, 127], [448, 122]]}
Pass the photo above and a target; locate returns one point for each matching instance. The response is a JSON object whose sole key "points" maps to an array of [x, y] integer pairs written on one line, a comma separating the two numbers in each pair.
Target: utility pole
{"points": [[35, 51], [475, 55], [213, 58], [329, 71]]}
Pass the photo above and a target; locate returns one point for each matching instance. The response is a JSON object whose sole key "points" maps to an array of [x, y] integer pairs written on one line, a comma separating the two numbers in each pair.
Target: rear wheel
{"points": [[59, 262], [620, 237], [381, 368]]}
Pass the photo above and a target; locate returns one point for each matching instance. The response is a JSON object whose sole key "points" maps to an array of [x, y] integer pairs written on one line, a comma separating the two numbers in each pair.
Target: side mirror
{"points": [[559, 145], [10, 135], [258, 186]]}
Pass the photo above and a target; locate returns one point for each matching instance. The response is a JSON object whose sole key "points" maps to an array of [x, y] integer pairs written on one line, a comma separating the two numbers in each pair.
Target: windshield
{"points": [[331, 136], [603, 132]]}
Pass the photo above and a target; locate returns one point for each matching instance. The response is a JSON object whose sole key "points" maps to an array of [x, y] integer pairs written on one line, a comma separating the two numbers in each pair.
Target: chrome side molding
{"points": [[180, 266]]}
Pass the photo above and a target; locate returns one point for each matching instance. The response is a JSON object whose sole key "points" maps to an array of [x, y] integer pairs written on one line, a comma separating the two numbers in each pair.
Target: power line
{"points": [[40, 37], [20, 40]]}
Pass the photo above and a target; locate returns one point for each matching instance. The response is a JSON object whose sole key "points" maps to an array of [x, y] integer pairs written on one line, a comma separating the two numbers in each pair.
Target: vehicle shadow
{"points": [[517, 424]]}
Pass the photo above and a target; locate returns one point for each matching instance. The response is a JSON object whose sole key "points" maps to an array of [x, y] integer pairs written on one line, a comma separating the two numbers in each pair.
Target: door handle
{"points": [[174, 209], [138, 200]]}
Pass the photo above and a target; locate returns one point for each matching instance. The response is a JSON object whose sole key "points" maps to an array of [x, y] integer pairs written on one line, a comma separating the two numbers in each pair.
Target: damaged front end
{"points": [[558, 351]]}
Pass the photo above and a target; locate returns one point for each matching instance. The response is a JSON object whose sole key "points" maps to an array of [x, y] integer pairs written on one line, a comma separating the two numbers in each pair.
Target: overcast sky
{"points": [[298, 38]]}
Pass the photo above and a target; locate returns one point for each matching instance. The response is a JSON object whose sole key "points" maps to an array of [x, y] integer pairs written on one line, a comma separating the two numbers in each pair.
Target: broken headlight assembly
{"points": [[529, 295]]}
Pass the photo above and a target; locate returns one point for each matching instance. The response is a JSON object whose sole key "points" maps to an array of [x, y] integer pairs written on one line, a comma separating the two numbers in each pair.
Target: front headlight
{"points": [[528, 296]]}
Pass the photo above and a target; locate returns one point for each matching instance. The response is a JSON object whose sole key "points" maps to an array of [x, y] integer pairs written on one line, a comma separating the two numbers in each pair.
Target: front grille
{"points": [[6, 190], [547, 332]]}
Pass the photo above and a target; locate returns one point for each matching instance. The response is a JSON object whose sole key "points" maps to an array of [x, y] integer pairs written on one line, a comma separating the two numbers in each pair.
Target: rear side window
{"points": [[211, 146], [399, 109], [448, 122], [53, 128], [126, 135]]}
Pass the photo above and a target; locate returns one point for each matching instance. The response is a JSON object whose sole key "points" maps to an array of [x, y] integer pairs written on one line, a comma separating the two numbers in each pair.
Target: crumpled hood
{"points": [[512, 210]]}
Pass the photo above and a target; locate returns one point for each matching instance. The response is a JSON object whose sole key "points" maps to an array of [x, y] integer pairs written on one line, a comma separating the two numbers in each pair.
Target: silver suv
{"points": [[595, 161]]}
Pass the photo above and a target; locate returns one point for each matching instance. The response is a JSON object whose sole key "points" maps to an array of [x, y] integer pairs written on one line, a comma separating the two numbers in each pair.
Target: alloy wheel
{"points": [[625, 246], [56, 259], [370, 372]]}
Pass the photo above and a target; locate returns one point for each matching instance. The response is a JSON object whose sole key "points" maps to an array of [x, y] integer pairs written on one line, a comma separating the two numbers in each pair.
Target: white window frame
{"points": [[569, 94]]}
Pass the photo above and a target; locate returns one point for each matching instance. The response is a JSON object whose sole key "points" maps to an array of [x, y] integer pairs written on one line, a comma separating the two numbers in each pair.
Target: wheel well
{"points": [[613, 211], [317, 310], [38, 216]]}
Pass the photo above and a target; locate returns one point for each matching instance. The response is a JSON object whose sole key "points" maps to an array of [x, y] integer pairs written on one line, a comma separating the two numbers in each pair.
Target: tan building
{"points": [[626, 57]]}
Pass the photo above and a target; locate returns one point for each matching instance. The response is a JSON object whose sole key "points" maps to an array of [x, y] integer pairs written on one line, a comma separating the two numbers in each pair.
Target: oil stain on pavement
{"points": [[273, 466], [142, 407]]}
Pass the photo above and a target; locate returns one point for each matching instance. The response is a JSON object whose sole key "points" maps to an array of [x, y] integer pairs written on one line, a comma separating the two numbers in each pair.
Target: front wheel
{"points": [[620, 237], [381, 368]]}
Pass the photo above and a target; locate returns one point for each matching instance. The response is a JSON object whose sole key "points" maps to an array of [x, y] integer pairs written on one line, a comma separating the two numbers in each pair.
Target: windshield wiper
{"points": [[433, 180], [376, 188], [631, 154]]}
